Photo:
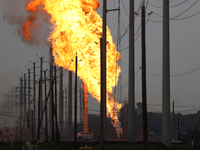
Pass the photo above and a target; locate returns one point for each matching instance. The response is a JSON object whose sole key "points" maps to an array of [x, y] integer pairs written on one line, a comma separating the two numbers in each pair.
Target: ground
{"points": [[96, 146]]}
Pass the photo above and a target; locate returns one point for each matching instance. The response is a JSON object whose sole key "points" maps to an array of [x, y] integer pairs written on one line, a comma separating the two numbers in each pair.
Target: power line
{"points": [[176, 74], [170, 6], [125, 8], [136, 37]]}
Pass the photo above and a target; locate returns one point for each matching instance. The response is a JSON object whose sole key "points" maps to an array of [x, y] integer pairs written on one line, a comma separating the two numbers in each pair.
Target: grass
{"points": [[112, 146]]}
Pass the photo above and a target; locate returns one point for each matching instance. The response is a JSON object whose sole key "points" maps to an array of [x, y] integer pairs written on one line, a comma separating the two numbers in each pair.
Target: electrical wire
{"points": [[129, 81], [175, 18], [187, 17], [125, 8], [136, 37], [185, 10], [170, 6], [128, 27], [182, 105], [176, 74]]}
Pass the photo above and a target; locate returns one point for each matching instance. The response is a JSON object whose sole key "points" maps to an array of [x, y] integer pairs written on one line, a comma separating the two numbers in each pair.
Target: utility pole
{"points": [[75, 106], [32, 124], [34, 110], [144, 91], [55, 109], [29, 100], [61, 102], [119, 48], [173, 116], [66, 110], [39, 101], [166, 133], [41, 87], [131, 100], [24, 102], [51, 107], [103, 80], [21, 101], [45, 86], [70, 106], [178, 129]]}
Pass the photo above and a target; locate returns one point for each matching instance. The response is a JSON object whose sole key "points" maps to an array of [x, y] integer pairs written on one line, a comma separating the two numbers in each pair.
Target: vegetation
{"points": [[188, 124]]}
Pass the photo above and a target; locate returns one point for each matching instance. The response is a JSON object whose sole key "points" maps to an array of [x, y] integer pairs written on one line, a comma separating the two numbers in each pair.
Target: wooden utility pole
{"points": [[61, 102], [51, 102], [39, 99], [66, 109], [144, 91], [29, 100], [21, 102], [45, 107], [131, 93], [41, 87], [55, 108], [70, 106], [166, 132], [46, 125], [24, 103], [75, 106], [103, 79], [173, 117], [178, 129], [34, 123]]}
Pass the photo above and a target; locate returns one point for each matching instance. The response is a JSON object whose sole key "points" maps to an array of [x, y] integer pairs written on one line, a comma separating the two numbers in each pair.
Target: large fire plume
{"points": [[78, 28]]}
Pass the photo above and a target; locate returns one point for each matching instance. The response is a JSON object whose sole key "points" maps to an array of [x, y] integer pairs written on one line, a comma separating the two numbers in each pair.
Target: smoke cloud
{"points": [[15, 14]]}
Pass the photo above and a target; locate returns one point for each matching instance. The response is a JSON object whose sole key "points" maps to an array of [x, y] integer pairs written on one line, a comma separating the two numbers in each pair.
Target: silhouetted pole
{"points": [[178, 129], [29, 100], [51, 106], [21, 102], [55, 108], [66, 109], [103, 79], [173, 116], [166, 132], [34, 126], [144, 91], [24, 103], [70, 106], [75, 106], [39, 99], [45, 88], [41, 87], [103, 93], [131, 100], [61, 102]]}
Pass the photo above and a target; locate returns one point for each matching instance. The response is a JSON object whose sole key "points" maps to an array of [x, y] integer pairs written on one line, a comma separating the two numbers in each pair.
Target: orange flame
{"points": [[78, 28]]}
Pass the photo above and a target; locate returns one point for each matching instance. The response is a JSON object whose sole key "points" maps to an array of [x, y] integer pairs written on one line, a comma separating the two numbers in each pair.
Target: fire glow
{"points": [[78, 28]]}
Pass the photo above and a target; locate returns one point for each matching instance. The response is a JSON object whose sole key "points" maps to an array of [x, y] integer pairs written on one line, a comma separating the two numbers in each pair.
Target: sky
{"points": [[16, 54]]}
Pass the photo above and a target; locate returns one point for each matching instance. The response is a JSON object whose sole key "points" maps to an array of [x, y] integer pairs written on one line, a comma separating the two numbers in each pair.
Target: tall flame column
{"points": [[85, 108]]}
